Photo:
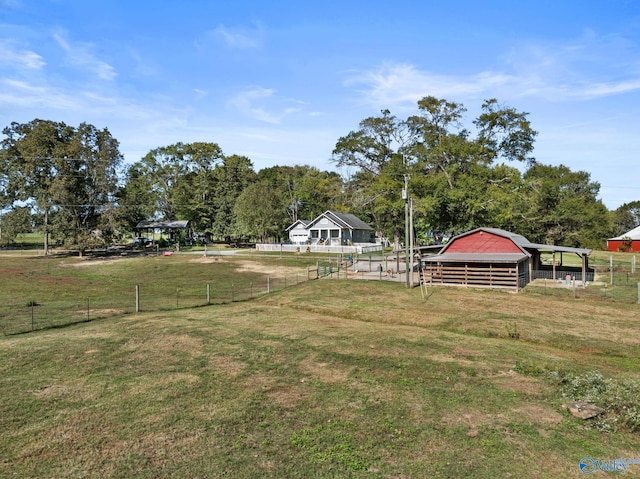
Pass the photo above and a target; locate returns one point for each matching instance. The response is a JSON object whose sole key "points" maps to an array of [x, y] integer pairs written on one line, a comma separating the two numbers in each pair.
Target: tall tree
{"points": [[68, 174], [375, 151], [15, 222], [448, 167], [305, 190], [179, 176], [260, 213], [231, 177], [626, 217], [135, 198], [564, 208], [505, 133]]}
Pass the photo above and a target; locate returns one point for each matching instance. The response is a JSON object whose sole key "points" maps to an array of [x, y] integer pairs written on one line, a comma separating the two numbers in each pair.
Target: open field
{"points": [[39, 292], [325, 379]]}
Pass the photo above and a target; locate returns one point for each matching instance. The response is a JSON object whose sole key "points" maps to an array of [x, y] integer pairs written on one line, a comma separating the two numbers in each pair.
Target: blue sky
{"points": [[280, 81]]}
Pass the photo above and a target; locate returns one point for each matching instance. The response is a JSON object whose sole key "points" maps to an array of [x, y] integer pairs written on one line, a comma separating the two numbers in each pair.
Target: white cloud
{"points": [[262, 105], [240, 38], [402, 85], [18, 57], [584, 68], [16, 94], [245, 103], [80, 55]]}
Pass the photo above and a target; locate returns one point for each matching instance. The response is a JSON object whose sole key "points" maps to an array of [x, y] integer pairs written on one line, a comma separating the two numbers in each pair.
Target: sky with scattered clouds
{"points": [[280, 81]]}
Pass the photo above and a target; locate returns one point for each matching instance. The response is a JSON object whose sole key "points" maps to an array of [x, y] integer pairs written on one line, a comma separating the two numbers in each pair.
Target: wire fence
{"points": [[615, 278], [32, 313]]}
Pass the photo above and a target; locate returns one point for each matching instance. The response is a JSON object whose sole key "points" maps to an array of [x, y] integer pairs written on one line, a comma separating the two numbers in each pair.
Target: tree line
{"points": [[72, 184]]}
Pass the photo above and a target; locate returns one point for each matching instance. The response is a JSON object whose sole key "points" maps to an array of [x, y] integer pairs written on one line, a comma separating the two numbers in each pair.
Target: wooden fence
{"points": [[477, 277]]}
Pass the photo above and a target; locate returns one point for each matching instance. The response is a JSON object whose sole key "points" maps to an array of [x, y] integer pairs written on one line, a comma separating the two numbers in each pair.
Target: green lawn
{"points": [[326, 379]]}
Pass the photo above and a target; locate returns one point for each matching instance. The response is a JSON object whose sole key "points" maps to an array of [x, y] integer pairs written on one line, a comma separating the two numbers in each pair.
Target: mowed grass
{"points": [[38, 292], [326, 379]]}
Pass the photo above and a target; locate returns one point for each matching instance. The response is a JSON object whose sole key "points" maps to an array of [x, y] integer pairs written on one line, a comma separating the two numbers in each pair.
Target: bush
{"points": [[619, 398]]}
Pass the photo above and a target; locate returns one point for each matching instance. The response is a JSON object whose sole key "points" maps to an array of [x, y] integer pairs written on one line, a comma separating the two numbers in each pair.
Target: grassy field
{"points": [[324, 379], [39, 292]]}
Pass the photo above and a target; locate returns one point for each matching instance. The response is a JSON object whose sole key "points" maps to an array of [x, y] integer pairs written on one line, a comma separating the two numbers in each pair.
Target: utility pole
{"points": [[405, 197], [411, 240]]}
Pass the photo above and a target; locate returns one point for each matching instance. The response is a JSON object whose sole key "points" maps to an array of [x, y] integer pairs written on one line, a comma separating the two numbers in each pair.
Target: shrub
{"points": [[618, 397], [626, 245]]}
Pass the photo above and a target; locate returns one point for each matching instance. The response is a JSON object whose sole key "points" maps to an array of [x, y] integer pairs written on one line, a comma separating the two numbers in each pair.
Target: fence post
{"points": [[633, 265], [137, 298], [232, 292], [208, 289], [611, 270], [268, 284]]}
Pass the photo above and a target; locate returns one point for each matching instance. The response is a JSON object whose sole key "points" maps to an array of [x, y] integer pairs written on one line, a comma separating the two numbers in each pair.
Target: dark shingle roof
{"points": [[349, 220], [344, 220]]}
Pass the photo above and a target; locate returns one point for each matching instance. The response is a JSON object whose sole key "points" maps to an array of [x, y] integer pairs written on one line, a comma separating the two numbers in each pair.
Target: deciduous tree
{"points": [[67, 174]]}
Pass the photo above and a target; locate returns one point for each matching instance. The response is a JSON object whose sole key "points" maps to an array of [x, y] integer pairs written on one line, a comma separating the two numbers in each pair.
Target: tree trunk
{"points": [[396, 241], [46, 231]]}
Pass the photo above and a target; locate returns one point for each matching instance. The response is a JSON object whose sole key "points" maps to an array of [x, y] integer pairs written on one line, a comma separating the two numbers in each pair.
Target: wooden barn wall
{"points": [[476, 275]]}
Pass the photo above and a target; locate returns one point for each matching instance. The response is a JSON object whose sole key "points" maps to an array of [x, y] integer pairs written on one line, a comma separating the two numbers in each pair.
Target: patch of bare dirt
{"points": [[538, 414], [512, 381], [207, 260], [83, 263], [288, 398], [100, 312], [62, 390], [257, 267], [227, 365], [325, 372], [166, 344]]}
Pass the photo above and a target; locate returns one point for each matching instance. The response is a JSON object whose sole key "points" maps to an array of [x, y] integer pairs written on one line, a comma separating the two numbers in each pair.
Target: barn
{"points": [[630, 241], [495, 258]]}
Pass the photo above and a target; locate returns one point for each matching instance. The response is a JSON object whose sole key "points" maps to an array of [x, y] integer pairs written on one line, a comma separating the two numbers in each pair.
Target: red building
{"points": [[631, 240], [495, 258]]}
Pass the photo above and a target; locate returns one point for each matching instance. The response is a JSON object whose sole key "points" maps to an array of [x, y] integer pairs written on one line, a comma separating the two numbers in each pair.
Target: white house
{"points": [[331, 228], [298, 232]]}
